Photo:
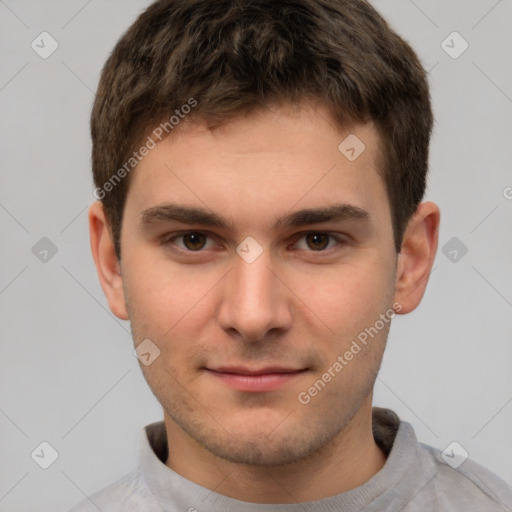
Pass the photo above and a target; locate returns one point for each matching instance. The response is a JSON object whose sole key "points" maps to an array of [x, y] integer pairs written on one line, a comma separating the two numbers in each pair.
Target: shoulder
{"points": [[128, 494], [465, 485]]}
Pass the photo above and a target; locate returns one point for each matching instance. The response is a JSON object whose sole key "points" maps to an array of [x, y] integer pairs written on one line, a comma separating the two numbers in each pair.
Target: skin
{"points": [[300, 304]]}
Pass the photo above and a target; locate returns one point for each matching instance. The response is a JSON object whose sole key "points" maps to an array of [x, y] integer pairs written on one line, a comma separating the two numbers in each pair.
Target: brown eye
{"points": [[194, 241], [189, 241], [317, 241]]}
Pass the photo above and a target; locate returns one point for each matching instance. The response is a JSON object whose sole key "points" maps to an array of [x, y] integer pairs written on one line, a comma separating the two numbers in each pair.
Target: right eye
{"points": [[190, 241]]}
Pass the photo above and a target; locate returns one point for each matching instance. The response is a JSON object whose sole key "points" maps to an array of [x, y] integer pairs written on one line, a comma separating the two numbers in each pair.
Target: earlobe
{"points": [[105, 259], [416, 257]]}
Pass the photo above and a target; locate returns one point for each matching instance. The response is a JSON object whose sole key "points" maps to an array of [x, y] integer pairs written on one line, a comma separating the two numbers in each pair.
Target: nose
{"points": [[255, 303]]}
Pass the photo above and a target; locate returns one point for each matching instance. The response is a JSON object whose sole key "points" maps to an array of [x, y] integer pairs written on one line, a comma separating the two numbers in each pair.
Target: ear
{"points": [[107, 264], [416, 256]]}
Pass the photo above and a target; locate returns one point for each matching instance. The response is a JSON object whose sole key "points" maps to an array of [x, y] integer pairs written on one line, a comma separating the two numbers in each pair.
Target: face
{"points": [[253, 255]]}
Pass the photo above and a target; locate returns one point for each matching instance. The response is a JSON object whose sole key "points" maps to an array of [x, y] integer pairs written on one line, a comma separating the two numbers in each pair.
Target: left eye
{"points": [[317, 241]]}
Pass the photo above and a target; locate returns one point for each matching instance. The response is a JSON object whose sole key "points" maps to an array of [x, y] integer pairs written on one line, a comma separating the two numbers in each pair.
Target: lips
{"points": [[239, 370], [269, 378]]}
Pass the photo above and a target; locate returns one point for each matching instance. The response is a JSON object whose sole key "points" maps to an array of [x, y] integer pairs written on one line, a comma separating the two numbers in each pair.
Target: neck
{"points": [[347, 462]]}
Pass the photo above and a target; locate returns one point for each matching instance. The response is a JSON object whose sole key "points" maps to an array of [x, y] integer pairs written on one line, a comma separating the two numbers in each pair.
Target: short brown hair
{"points": [[233, 56]]}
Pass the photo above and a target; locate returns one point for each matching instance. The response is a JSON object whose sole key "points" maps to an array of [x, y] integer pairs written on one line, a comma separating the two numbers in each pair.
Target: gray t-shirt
{"points": [[415, 478]]}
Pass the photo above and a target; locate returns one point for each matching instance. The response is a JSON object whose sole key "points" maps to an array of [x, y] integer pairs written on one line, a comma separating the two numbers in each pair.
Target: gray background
{"points": [[67, 372]]}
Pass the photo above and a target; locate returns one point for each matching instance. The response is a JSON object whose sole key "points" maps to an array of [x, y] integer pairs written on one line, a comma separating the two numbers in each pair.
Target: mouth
{"points": [[256, 380]]}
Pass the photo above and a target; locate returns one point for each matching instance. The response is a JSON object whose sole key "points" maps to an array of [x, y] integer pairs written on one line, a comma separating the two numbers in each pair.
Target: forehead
{"points": [[260, 165]]}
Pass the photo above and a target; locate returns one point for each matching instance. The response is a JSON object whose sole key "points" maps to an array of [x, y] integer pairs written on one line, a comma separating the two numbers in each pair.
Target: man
{"points": [[260, 167]]}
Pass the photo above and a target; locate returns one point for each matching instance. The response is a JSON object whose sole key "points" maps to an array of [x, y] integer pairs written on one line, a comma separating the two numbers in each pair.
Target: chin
{"points": [[285, 444], [260, 452]]}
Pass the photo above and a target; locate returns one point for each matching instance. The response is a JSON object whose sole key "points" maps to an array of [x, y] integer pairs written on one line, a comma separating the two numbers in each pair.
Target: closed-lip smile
{"points": [[268, 378], [240, 370]]}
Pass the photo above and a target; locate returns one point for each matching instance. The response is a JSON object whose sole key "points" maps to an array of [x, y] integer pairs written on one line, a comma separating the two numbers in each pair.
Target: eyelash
{"points": [[168, 240]]}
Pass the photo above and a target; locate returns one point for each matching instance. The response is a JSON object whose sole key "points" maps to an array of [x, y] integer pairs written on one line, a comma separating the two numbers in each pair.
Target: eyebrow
{"points": [[193, 215]]}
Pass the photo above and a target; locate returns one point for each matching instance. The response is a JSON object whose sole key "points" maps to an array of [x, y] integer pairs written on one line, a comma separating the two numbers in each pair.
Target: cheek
{"points": [[161, 292], [172, 309], [347, 297]]}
